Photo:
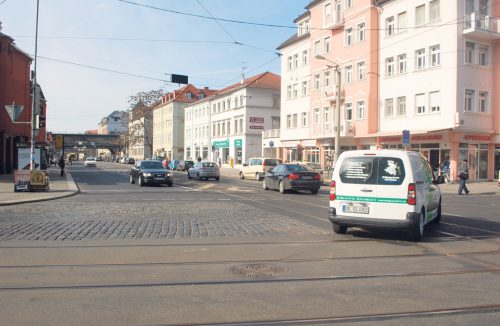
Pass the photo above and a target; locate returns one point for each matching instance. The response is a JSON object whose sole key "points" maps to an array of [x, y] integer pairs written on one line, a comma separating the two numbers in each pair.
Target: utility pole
{"points": [[33, 89]]}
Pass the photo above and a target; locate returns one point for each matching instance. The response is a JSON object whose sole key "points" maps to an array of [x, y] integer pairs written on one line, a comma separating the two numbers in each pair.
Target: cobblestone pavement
{"points": [[132, 221]]}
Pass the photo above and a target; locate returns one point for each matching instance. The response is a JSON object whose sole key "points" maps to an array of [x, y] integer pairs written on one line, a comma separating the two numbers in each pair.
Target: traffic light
{"points": [[39, 121]]}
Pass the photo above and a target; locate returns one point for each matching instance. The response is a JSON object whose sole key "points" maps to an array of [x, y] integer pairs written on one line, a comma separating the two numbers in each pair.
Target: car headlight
{"points": [[169, 174], [147, 174]]}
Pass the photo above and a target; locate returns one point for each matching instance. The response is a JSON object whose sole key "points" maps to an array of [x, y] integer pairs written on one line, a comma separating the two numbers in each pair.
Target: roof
{"points": [[180, 95], [293, 39], [304, 15], [313, 3], [264, 80], [15, 47]]}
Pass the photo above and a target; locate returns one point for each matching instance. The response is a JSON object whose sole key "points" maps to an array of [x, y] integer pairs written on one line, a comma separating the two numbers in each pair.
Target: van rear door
{"points": [[392, 190], [356, 191]]}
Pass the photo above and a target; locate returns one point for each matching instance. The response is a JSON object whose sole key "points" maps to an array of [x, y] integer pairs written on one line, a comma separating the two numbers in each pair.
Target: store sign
{"points": [[390, 139], [256, 120], [256, 123], [22, 180], [37, 178], [481, 138], [257, 127], [59, 141], [406, 138], [426, 137], [221, 144], [238, 143]]}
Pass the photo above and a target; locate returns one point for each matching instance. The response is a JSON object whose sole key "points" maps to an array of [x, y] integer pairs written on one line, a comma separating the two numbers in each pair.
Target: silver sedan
{"points": [[204, 170]]}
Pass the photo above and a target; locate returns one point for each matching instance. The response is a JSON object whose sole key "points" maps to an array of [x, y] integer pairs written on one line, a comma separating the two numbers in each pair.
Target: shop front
{"points": [[220, 151]]}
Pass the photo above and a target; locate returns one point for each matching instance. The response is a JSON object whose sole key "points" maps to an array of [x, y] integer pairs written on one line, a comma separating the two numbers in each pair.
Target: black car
{"points": [[150, 172], [292, 177], [185, 165]]}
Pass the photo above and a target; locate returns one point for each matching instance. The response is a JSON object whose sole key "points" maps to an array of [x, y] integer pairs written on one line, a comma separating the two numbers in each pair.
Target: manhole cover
{"points": [[258, 270]]}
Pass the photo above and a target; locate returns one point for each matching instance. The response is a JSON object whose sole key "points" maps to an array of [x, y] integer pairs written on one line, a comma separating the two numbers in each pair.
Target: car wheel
{"points": [[281, 187], [170, 184], [217, 178], [242, 176], [417, 229], [339, 229], [141, 182], [437, 219], [264, 185], [132, 180], [315, 191], [257, 176]]}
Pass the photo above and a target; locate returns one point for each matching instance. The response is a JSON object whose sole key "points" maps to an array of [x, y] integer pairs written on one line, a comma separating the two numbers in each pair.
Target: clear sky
{"points": [[119, 36]]}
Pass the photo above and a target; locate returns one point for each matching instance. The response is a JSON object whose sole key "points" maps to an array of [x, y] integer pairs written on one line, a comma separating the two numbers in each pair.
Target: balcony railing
{"points": [[271, 133], [482, 26], [334, 20]]}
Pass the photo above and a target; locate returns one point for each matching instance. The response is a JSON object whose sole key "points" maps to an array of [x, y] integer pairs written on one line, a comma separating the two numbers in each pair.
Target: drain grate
{"points": [[263, 271]]}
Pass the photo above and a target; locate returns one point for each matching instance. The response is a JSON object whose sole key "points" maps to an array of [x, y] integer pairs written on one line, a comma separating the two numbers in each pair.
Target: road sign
{"points": [[406, 138]]}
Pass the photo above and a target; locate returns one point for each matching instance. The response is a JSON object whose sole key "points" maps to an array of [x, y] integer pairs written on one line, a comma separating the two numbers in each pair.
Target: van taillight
{"points": [[333, 191], [412, 194]]}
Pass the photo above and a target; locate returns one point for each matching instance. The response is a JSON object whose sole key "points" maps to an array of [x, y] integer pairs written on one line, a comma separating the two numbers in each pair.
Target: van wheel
{"points": [[242, 176], [437, 219], [339, 229], [170, 184], [281, 187], [417, 229], [257, 176]]}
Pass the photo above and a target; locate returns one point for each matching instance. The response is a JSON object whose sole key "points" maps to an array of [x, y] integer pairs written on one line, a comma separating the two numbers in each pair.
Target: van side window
{"points": [[391, 171], [258, 162], [252, 162]]}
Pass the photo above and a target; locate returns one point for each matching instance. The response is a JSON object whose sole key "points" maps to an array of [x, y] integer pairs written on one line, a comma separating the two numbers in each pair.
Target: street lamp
{"points": [[337, 106]]}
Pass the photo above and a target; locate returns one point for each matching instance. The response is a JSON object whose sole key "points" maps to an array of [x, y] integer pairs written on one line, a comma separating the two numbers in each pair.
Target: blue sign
{"points": [[406, 138]]}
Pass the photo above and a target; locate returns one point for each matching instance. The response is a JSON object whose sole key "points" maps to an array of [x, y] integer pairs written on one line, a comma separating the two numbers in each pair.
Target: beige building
{"points": [[168, 121]]}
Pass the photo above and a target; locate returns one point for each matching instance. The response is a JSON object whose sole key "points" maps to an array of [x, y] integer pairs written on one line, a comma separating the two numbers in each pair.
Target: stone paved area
{"points": [[102, 221]]}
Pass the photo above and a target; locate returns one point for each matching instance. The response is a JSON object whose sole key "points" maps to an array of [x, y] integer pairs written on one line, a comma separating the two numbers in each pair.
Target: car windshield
{"points": [[151, 165]]}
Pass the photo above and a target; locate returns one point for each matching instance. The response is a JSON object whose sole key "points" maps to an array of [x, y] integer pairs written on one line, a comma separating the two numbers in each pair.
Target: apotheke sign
{"points": [[256, 123]]}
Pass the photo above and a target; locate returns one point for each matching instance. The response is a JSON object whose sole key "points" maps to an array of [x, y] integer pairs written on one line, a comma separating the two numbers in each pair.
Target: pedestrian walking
{"points": [[62, 164], [463, 175]]}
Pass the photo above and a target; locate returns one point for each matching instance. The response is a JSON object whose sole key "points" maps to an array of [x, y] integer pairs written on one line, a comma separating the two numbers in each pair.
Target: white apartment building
{"points": [[295, 98], [437, 79], [168, 121], [115, 123], [229, 124]]}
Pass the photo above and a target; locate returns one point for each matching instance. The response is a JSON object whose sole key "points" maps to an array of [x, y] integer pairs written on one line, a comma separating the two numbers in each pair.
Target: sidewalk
{"points": [[60, 187], [475, 188]]}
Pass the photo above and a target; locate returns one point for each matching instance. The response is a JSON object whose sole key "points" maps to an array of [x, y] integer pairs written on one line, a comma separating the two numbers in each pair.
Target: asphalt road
{"points": [[230, 252]]}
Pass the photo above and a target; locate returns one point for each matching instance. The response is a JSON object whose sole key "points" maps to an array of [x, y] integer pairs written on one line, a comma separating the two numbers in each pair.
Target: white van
{"points": [[384, 188]]}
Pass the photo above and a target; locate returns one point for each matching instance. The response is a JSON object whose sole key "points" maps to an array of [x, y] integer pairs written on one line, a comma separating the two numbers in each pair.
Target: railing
{"points": [[476, 21], [271, 133]]}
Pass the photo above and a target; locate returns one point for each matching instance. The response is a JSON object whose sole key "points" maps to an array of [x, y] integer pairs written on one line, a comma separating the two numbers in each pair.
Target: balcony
{"points": [[272, 133], [329, 93], [335, 21], [481, 27]]}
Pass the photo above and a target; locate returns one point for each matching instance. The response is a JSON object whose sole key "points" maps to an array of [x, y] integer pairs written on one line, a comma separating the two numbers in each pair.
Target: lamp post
{"points": [[34, 92], [337, 106]]}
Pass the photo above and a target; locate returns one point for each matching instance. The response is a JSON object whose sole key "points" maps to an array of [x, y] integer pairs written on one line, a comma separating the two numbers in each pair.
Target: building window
{"points": [[317, 48], [483, 55], [289, 92], [316, 116], [326, 45], [435, 102], [236, 101], [326, 118], [326, 78], [389, 26], [435, 55], [235, 126], [348, 111], [305, 57], [242, 97], [316, 82], [241, 125], [189, 95], [420, 15], [348, 74], [294, 120], [361, 32], [420, 59], [304, 88], [401, 106], [328, 14], [483, 102], [304, 119], [348, 3], [290, 64], [295, 91], [470, 52], [434, 10], [389, 107], [348, 36], [229, 104], [402, 22], [360, 110], [402, 63], [420, 103], [223, 105], [389, 66], [289, 121], [361, 70], [469, 100]]}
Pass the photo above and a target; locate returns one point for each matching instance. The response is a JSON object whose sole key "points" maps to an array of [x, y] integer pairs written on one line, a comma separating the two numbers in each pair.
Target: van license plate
{"points": [[358, 209]]}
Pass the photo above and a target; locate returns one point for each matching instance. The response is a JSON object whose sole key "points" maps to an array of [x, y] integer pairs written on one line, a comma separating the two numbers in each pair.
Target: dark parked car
{"points": [[130, 160], [292, 177], [150, 172], [185, 165]]}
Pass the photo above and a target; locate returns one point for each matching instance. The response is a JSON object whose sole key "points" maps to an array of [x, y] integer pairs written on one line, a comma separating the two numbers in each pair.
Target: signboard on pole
{"points": [[406, 138]]}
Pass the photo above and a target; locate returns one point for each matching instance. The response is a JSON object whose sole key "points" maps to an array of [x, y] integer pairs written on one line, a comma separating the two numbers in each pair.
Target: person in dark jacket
{"points": [[463, 175], [62, 164]]}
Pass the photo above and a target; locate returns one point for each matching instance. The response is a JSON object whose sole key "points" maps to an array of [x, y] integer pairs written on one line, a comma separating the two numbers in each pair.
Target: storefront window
{"points": [[497, 161], [312, 154]]}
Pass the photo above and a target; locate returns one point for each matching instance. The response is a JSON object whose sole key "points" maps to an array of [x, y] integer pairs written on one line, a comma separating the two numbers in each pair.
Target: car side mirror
{"points": [[245, 164]]}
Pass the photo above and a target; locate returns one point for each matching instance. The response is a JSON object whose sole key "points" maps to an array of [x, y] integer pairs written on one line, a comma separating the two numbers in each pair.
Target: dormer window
{"points": [[189, 95], [201, 96]]}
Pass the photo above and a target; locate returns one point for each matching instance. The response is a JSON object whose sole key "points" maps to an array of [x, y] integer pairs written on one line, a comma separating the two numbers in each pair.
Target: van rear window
{"points": [[372, 170], [271, 162]]}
